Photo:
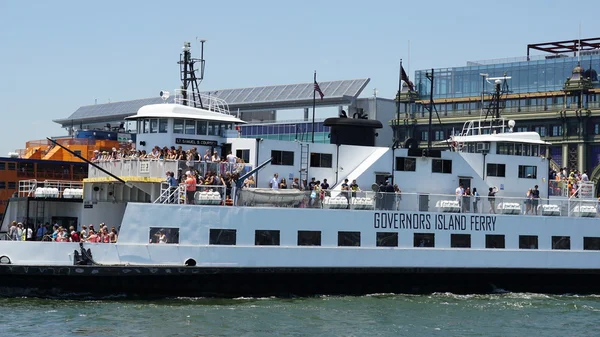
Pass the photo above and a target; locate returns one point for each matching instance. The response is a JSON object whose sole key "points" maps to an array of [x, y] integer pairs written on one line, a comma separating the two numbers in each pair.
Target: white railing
{"points": [[51, 188], [157, 168], [208, 102], [171, 194]]}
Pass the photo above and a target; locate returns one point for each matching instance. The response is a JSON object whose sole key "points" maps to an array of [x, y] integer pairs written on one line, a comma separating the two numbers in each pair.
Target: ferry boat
{"points": [[428, 236]]}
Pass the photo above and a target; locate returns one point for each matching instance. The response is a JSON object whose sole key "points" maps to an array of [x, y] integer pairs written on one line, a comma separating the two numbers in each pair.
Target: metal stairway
{"points": [[304, 161]]}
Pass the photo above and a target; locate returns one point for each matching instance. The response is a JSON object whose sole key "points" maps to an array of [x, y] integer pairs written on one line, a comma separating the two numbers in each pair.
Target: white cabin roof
{"points": [[183, 112], [516, 137]]}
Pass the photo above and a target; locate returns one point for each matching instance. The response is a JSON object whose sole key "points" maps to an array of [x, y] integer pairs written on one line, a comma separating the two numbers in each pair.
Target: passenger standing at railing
{"points": [[459, 193], [354, 188], [207, 157], [296, 184], [325, 189], [215, 157], [172, 186], [190, 188], [528, 201], [345, 189], [249, 182], [492, 200], [476, 199], [274, 183], [398, 194], [535, 199], [283, 184]]}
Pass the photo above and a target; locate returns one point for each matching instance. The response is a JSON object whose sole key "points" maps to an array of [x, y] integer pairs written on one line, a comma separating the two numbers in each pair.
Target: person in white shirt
{"points": [[584, 176], [231, 159], [274, 184]]}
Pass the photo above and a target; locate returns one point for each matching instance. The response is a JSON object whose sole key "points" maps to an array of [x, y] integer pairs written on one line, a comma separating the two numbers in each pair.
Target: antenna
{"points": [[579, 44]]}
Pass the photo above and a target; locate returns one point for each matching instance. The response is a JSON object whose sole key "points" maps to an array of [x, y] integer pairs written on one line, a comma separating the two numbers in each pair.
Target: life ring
{"points": [[4, 259]]}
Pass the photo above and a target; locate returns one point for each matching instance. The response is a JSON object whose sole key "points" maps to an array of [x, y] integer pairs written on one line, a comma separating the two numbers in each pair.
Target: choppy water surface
{"points": [[375, 315]]}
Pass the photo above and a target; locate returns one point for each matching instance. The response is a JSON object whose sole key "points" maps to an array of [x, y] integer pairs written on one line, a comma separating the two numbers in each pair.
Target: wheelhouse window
{"points": [[424, 240], [561, 242], [505, 148], [348, 239], [154, 125], [266, 238], [201, 128], [406, 164], [309, 238], [213, 128], [282, 158], [163, 235], [146, 126], [178, 126], [321, 159], [528, 242], [494, 241], [441, 166], [496, 170], [460, 240], [190, 127], [386, 239], [222, 236], [529, 172], [163, 125]]}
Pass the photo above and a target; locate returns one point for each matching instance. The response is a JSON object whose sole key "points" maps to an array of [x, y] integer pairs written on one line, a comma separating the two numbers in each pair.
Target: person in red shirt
{"points": [[74, 235], [190, 188]]}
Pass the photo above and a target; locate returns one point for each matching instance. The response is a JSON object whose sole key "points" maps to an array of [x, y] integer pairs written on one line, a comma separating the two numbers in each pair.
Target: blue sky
{"points": [[56, 56]]}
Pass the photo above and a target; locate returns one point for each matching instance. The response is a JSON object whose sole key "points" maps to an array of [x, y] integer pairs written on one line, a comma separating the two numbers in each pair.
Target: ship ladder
{"points": [[304, 162]]}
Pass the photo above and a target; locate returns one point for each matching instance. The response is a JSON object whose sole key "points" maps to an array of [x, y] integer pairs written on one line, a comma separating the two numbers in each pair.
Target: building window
{"points": [[494, 241], [12, 185], [596, 129], [222, 236], [541, 130], [557, 130], [406, 164], [2, 166], [321, 159], [2, 185], [424, 240], [243, 155], [309, 238], [385, 239], [12, 166], [528, 242], [282, 158], [439, 135], [348, 239], [441, 166], [460, 240], [164, 235], [266, 238], [522, 129], [496, 170], [561, 242], [178, 126], [163, 125], [190, 127], [529, 172], [591, 243], [425, 135]]}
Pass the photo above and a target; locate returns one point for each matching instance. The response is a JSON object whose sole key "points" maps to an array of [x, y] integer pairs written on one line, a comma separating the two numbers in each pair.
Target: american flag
{"points": [[318, 89]]}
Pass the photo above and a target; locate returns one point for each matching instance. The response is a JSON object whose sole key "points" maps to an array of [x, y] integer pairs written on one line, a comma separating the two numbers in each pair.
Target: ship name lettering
{"points": [[401, 220], [441, 222]]}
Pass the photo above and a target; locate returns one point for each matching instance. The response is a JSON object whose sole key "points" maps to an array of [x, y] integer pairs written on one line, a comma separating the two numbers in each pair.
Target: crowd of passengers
{"points": [[571, 178], [57, 233], [164, 153]]}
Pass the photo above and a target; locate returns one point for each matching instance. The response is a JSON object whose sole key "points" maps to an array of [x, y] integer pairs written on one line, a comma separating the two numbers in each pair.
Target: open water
{"points": [[375, 315]]}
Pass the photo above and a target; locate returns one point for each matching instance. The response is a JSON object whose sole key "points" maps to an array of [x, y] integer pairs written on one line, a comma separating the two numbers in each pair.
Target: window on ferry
{"points": [[154, 125], [222, 236], [140, 126], [309, 238], [2, 166], [406, 164], [557, 130], [213, 128], [164, 235], [561, 242], [528, 242], [321, 159], [12, 166], [348, 239], [505, 148], [282, 158], [425, 135], [2, 185], [496, 170], [163, 124], [591, 243], [441, 166], [178, 126], [12, 185], [541, 130], [146, 126], [460, 240], [385, 239], [424, 240], [266, 238], [535, 150], [494, 241], [201, 128], [526, 171], [243, 154], [190, 127]]}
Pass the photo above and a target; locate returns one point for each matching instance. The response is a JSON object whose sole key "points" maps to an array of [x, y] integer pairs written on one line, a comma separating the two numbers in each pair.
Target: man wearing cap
{"points": [[190, 188]]}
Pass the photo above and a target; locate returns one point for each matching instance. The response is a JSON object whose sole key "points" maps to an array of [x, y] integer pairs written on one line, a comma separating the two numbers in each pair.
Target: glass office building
{"points": [[301, 131]]}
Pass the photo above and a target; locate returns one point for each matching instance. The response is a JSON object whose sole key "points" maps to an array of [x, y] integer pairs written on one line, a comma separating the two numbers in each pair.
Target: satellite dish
{"points": [[375, 188]]}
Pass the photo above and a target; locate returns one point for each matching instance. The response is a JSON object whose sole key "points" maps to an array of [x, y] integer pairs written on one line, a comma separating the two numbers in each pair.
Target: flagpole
{"points": [[397, 135], [314, 106]]}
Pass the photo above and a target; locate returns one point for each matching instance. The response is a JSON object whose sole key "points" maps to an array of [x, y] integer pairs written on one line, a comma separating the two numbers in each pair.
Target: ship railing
{"points": [[209, 195], [157, 168], [206, 101], [171, 194], [50, 188], [27, 188]]}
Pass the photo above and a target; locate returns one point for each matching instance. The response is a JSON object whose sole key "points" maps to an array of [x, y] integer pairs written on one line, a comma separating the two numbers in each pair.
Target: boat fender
{"points": [[4, 259], [190, 263]]}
